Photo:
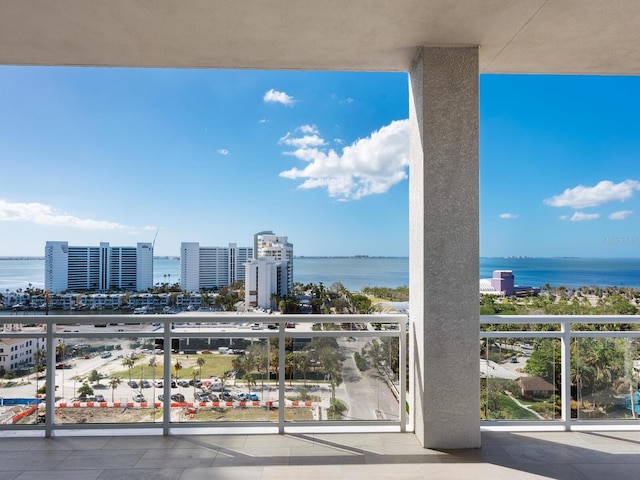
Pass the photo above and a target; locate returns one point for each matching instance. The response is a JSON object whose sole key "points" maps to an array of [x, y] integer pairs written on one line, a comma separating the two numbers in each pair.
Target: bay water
{"points": [[356, 273]]}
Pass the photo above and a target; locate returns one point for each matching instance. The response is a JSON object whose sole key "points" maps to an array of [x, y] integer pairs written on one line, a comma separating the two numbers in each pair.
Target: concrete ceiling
{"points": [[515, 36]]}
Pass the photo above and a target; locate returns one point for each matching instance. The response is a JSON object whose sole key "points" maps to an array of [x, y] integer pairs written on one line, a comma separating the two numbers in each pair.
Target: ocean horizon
{"points": [[359, 271]]}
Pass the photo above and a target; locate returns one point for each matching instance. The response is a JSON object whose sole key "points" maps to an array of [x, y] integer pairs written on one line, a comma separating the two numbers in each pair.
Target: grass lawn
{"points": [[215, 366], [505, 408]]}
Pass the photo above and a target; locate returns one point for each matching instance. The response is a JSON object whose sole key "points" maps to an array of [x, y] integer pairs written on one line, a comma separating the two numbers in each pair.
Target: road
{"points": [[366, 393]]}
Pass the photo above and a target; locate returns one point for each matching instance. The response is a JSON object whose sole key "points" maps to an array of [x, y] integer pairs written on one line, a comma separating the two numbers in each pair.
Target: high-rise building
{"points": [[268, 244], [265, 278], [211, 267], [97, 269]]}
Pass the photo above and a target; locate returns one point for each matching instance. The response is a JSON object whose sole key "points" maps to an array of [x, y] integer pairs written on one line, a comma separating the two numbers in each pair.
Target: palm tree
{"points": [[39, 356], [61, 350], [113, 384], [200, 362], [128, 363], [290, 365], [178, 367], [304, 362], [152, 364], [238, 365]]}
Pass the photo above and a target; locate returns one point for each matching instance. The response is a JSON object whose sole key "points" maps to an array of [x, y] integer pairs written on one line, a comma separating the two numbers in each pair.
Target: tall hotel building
{"points": [[206, 268], [268, 244], [97, 269]]}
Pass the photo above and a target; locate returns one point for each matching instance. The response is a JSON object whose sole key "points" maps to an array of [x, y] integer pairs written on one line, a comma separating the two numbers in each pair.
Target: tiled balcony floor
{"points": [[372, 456]]}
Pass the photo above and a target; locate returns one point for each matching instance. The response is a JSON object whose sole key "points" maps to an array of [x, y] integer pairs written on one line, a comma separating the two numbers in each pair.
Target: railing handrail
{"points": [[52, 323], [565, 334]]}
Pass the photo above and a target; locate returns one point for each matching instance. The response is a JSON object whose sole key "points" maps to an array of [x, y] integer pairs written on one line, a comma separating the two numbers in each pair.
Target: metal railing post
{"points": [[166, 385], [50, 387], [402, 358], [281, 376], [565, 372]]}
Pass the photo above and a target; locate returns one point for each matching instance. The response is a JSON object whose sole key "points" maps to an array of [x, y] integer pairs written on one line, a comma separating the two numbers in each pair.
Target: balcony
{"points": [[566, 444]]}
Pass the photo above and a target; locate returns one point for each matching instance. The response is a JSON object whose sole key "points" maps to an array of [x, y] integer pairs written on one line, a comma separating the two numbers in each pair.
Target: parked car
{"points": [[226, 397], [161, 397], [201, 397], [100, 398], [139, 398], [133, 384], [106, 355], [513, 359], [213, 397], [249, 397], [145, 384], [158, 383], [177, 397], [183, 383]]}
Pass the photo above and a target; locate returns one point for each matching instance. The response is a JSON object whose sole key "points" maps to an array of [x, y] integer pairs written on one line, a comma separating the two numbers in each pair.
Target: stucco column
{"points": [[444, 247]]}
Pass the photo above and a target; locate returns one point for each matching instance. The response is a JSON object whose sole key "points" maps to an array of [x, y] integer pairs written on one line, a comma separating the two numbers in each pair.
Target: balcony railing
{"points": [[292, 373], [560, 372], [168, 373]]}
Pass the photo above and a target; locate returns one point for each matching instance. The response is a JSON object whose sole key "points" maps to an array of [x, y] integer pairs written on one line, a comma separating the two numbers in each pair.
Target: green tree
{"points": [[289, 305], [361, 303], [94, 376], [85, 390], [331, 360], [545, 360]]}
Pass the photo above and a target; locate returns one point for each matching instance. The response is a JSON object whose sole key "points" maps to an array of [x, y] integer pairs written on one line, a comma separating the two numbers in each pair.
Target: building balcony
{"points": [[588, 432]]}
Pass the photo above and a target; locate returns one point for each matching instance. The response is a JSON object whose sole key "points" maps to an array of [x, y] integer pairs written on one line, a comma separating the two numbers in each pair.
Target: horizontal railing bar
{"points": [[213, 317], [581, 334], [519, 319]]}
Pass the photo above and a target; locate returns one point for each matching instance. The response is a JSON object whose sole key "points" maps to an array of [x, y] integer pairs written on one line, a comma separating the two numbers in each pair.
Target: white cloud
{"points": [[306, 141], [262, 120], [580, 217], [621, 215], [274, 96], [223, 151], [368, 166], [604, 192], [312, 129], [346, 101], [41, 214], [508, 216]]}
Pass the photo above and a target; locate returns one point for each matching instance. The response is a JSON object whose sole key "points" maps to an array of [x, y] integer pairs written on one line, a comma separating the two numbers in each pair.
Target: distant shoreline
{"points": [[173, 257], [307, 257]]}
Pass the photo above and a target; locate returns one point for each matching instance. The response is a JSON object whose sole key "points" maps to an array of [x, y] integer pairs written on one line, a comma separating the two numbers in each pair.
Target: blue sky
{"points": [[118, 155]]}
